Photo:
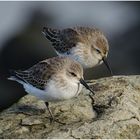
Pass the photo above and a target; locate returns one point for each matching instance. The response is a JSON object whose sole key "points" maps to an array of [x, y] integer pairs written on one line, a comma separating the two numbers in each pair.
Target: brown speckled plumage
{"points": [[64, 40], [61, 40], [53, 79], [39, 74], [86, 45]]}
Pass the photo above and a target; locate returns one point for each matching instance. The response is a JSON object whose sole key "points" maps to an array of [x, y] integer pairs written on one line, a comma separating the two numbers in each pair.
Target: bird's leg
{"points": [[47, 105], [92, 99], [52, 117]]}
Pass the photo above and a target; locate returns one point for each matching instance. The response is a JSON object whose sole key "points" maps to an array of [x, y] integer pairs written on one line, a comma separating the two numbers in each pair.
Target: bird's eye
{"points": [[73, 74], [98, 51]]}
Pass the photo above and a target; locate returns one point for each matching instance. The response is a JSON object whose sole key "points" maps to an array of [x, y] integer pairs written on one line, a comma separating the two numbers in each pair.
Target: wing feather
{"points": [[62, 40], [37, 75]]}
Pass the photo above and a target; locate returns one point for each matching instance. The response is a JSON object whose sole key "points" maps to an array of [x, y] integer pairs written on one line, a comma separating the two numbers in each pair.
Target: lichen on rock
{"points": [[115, 114]]}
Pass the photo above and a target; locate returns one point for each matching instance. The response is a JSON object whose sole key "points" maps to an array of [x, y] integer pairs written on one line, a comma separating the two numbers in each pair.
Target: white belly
{"points": [[53, 93], [86, 60]]}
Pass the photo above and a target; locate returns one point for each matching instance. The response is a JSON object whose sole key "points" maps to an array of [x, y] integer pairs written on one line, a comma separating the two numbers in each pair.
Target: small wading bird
{"points": [[86, 45], [54, 79]]}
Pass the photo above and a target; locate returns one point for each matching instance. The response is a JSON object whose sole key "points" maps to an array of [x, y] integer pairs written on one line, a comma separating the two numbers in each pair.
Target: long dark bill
{"points": [[107, 65], [82, 81]]}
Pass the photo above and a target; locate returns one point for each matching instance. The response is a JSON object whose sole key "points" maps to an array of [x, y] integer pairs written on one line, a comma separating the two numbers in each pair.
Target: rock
{"points": [[115, 114], [30, 121]]}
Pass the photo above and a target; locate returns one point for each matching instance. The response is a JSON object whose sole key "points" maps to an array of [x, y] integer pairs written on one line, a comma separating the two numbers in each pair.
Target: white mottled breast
{"points": [[83, 55], [52, 92]]}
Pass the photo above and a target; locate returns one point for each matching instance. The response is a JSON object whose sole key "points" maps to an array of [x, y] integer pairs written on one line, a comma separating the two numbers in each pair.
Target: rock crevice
{"points": [[115, 114]]}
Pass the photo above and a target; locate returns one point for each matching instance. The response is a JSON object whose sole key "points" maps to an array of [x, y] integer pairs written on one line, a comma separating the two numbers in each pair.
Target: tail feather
{"points": [[50, 34], [15, 76]]}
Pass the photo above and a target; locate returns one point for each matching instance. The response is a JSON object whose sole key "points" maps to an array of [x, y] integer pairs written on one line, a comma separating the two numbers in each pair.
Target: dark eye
{"points": [[73, 74], [98, 51]]}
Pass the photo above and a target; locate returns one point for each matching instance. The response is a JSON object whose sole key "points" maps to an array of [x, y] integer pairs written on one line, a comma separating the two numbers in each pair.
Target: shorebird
{"points": [[53, 79], [88, 46]]}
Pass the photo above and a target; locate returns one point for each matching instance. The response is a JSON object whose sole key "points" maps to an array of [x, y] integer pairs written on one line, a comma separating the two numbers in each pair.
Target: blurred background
{"points": [[22, 44]]}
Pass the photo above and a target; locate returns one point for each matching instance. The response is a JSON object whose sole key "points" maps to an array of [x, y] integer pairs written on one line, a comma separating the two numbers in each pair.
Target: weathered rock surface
{"points": [[116, 113]]}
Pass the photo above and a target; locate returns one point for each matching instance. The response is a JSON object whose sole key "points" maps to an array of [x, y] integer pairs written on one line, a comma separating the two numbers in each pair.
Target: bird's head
{"points": [[74, 73], [99, 50]]}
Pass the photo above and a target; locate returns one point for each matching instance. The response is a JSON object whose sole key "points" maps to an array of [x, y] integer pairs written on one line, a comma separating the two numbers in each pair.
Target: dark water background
{"points": [[22, 44]]}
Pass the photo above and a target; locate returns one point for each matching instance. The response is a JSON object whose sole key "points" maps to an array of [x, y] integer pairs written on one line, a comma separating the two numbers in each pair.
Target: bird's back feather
{"points": [[62, 40]]}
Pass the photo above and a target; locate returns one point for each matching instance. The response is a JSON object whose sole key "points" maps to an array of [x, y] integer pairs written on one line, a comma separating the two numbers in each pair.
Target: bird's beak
{"points": [[82, 81], [107, 65]]}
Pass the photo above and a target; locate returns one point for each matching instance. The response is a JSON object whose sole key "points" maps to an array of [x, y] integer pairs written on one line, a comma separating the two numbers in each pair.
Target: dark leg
{"points": [[52, 117], [47, 105], [92, 99]]}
